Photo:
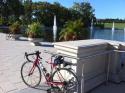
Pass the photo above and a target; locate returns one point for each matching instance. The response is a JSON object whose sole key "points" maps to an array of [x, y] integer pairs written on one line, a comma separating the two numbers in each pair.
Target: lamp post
{"points": [[54, 29]]}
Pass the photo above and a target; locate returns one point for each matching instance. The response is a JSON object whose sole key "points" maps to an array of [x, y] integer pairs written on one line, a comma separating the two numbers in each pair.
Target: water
{"points": [[119, 35]]}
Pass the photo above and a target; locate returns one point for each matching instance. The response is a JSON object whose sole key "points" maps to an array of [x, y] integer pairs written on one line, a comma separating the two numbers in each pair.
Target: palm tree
{"points": [[73, 30]]}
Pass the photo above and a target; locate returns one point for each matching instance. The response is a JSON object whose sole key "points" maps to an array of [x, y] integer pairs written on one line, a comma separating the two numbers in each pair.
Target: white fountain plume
{"points": [[113, 30], [54, 29], [124, 33], [113, 26], [91, 29]]}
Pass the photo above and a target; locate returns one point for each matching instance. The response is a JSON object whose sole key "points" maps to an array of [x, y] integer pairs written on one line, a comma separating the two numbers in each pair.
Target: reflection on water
{"points": [[107, 34]]}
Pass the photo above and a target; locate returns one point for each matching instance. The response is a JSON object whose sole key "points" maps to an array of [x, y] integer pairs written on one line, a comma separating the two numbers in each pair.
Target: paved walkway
{"points": [[11, 59]]}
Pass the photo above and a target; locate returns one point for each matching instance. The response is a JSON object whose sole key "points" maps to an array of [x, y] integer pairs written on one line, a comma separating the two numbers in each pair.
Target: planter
{"points": [[35, 41]]}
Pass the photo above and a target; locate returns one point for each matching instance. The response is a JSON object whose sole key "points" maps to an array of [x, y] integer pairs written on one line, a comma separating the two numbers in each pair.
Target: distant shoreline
{"points": [[117, 26], [96, 28]]}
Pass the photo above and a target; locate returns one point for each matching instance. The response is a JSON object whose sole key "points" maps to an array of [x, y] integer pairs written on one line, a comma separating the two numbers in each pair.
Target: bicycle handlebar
{"points": [[37, 53]]}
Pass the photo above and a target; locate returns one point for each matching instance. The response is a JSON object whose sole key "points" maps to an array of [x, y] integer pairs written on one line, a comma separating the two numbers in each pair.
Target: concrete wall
{"points": [[96, 61], [117, 62], [90, 71]]}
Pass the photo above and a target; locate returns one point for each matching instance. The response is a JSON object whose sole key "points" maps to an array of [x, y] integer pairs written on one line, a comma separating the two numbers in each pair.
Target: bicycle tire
{"points": [[71, 86], [24, 78]]}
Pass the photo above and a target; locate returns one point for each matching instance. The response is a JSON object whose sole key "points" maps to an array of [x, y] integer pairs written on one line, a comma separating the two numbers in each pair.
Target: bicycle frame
{"points": [[49, 81]]}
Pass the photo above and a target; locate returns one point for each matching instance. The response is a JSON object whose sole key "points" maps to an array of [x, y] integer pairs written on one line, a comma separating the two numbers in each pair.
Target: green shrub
{"points": [[74, 30], [35, 30], [15, 28]]}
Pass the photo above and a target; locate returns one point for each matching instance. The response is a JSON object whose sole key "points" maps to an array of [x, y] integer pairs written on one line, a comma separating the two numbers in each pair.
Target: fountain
{"points": [[113, 29], [91, 29], [54, 29], [124, 33]]}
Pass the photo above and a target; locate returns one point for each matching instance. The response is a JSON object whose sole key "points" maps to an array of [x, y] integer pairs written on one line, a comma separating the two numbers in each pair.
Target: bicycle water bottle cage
{"points": [[58, 60]]}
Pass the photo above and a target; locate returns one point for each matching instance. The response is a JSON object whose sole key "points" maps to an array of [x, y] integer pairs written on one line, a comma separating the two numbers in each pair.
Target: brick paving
{"points": [[11, 59]]}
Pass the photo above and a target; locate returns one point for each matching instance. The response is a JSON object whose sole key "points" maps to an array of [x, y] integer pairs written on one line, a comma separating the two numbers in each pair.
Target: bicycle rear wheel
{"points": [[31, 79], [68, 78]]}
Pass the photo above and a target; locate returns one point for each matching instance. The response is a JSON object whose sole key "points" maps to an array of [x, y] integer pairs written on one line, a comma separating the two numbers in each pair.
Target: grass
{"points": [[117, 25]]}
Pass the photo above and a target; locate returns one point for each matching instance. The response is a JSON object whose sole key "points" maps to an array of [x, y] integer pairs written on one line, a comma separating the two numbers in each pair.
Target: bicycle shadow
{"points": [[48, 89], [42, 87]]}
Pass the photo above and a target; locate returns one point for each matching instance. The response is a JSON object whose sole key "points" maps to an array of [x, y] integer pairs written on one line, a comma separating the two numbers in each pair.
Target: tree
{"points": [[74, 15], [85, 12], [44, 12], [11, 7]]}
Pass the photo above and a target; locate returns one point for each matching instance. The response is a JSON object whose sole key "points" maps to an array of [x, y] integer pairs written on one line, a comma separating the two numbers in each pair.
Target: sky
{"points": [[103, 8]]}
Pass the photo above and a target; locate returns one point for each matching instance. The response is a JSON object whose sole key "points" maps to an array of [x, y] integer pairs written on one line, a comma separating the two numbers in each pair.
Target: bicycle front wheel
{"points": [[31, 75], [68, 79]]}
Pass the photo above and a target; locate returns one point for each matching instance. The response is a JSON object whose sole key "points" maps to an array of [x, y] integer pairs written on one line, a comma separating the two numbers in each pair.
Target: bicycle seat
{"points": [[58, 60]]}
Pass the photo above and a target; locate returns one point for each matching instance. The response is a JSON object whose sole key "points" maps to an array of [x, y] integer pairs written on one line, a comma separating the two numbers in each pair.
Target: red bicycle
{"points": [[61, 80]]}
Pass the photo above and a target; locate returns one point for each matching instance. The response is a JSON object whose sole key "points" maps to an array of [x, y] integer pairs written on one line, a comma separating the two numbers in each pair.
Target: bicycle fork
{"points": [[33, 68]]}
